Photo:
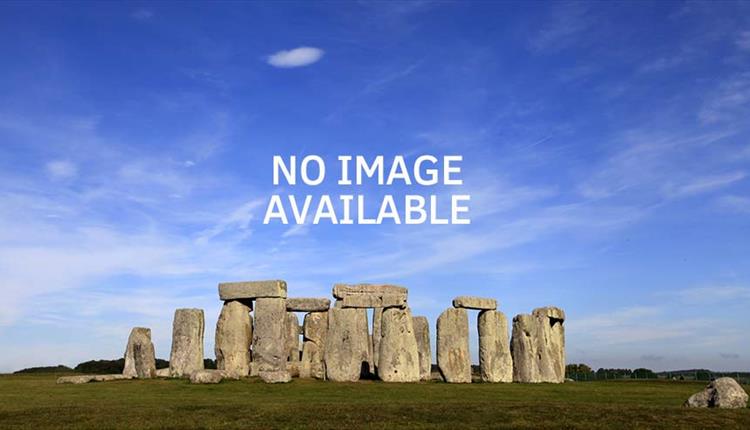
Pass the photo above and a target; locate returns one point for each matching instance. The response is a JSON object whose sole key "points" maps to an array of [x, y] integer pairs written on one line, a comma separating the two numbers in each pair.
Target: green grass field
{"points": [[35, 401]]}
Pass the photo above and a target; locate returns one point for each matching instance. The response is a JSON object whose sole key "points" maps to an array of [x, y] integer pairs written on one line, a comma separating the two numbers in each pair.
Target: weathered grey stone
{"points": [[112, 377], [186, 356], [234, 335], [453, 346], [275, 376], [346, 344], [495, 361], [422, 335], [76, 379], [538, 346], [140, 359], [315, 332], [399, 356], [723, 393], [252, 290], [291, 342], [269, 335], [342, 290], [373, 301], [377, 322], [308, 304], [163, 373], [207, 376], [470, 302]]}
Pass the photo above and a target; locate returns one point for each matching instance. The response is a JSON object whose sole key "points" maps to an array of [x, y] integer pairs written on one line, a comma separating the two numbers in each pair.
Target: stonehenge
{"points": [[258, 334], [187, 343], [538, 346], [234, 335], [140, 359]]}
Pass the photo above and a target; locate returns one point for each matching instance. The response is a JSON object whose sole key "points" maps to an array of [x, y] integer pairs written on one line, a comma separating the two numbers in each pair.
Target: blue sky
{"points": [[605, 147]]}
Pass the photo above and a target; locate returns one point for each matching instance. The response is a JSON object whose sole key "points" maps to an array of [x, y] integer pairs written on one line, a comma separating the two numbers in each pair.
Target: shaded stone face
{"points": [[252, 290], [315, 330], [453, 346], [399, 357], [292, 337], [234, 335], [346, 344], [495, 362], [538, 346], [422, 335], [470, 302], [186, 356], [307, 304], [140, 359], [723, 393], [269, 334]]}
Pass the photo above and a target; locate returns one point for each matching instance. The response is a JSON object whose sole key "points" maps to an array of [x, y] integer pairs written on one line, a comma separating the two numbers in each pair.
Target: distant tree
{"points": [[209, 364], [101, 366], [642, 373], [161, 364], [46, 369]]}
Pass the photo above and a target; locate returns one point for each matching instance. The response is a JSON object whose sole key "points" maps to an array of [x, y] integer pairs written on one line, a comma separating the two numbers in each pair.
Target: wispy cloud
{"points": [[61, 169], [566, 22], [297, 57]]}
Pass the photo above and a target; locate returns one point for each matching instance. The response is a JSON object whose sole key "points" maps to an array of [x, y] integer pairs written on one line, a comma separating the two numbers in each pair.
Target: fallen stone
{"points": [[470, 302], [308, 304], [77, 379], [346, 347], [453, 346], [234, 335], [275, 376], [291, 341], [186, 356], [113, 377], [270, 334], [163, 373], [207, 376], [399, 355], [140, 359], [723, 393], [495, 361], [342, 290], [422, 335], [373, 301], [252, 290]]}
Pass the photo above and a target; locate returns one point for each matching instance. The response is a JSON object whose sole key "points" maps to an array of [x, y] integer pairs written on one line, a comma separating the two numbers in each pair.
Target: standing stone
{"points": [[399, 356], [495, 362], [269, 339], [187, 342], [538, 346], [346, 344], [422, 335], [234, 334], [377, 322], [315, 330], [140, 359], [453, 346], [291, 345]]}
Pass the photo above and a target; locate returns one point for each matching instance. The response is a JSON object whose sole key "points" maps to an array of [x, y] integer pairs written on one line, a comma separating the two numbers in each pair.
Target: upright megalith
{"points": [[399, 355], [495, 361], [377, 323], [252, 290], [269, 339], [234, 335], [346, 344], [453, 346], [140, 359], [291, 343], [538, 346], [187, 342], [315, 330], [422, 335]]}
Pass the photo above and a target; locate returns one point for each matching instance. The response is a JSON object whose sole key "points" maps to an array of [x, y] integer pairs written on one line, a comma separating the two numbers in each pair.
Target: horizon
{"points": [[605, 147]]}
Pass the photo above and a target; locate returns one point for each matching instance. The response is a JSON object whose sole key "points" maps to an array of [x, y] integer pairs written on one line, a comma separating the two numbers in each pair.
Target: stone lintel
{"points": [[296, 304], [341, 290], [471, 302], [252, 290]]}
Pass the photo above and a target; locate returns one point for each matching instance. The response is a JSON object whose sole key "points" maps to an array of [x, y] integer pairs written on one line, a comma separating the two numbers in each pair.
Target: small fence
{"points": [[698, 375]]}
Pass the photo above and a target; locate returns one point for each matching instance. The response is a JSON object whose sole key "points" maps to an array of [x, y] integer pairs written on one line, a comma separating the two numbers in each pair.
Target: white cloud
{"points": [[61, 169], [297, 57], [734, 204], [743, 41]]}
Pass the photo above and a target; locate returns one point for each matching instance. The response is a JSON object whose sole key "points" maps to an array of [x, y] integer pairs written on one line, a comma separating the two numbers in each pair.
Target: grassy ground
{"points": [[35, 401]]}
